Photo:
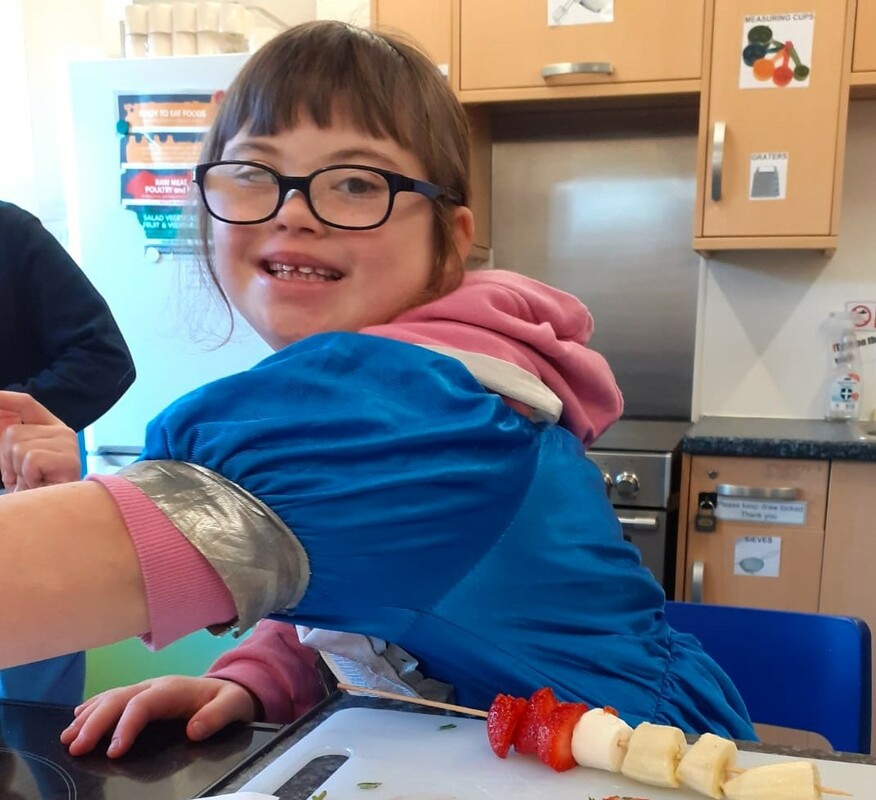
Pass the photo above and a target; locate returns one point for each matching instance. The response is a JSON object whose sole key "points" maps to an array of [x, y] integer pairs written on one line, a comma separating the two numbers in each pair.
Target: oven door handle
{"points": [[639, 523]]}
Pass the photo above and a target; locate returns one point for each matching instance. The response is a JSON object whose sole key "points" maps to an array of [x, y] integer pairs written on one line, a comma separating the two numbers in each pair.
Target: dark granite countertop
{"points": [[303, 785], [781, 438]]}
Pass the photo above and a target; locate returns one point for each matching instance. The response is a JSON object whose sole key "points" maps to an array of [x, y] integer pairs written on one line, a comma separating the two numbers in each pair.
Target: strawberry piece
{"points": [[502, 719], [537, 709], [555, 736]]}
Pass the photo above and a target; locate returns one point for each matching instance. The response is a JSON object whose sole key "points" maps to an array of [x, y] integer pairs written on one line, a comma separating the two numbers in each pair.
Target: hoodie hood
{"points": [[534, 326]]}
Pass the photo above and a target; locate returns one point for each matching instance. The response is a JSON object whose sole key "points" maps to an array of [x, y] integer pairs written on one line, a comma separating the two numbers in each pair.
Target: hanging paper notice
{"points": [[777, 50], [579, 12], [769, 176], [758, 556], [769, 512]]}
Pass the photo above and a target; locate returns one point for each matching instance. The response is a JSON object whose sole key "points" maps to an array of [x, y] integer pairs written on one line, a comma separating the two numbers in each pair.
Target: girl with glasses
{"points": [[404, 480]]}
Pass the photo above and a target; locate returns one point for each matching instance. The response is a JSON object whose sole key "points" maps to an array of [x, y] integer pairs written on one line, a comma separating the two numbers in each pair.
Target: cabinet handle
{"points": [[566, 68], [697, 576], [757, 492], [639, 523], [719, 133]]}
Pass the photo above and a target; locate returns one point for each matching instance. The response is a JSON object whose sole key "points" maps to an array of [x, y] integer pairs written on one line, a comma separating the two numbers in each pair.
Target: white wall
{"points": [[16, 177], [762, 347]]}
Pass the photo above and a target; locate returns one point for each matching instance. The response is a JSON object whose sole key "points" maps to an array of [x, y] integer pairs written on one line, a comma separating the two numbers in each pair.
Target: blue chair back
{"points": [[809, 672]]}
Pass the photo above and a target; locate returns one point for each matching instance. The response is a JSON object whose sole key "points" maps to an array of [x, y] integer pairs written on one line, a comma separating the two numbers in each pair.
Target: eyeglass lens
{"points": [[340, 195]]}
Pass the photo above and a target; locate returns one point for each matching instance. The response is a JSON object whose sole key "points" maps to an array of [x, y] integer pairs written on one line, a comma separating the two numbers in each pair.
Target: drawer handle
{"points": [[719, 133], [566, 68], [639, 523], [697, 578], [757, 492]]}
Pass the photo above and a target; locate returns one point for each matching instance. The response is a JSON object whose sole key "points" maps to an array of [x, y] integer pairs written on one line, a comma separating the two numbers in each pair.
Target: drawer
{"points": [[503, 50], [809, 479]]}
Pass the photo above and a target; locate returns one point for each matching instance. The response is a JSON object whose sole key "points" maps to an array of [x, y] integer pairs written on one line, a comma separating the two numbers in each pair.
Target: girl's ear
{"points": [[463, 231]]}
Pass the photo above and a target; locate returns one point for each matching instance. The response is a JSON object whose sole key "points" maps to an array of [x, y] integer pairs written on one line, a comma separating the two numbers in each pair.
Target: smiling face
{"points": [[294, 276]]}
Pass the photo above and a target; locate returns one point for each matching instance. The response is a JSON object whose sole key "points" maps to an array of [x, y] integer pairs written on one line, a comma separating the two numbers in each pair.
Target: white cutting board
{"points": [[413, 759]]}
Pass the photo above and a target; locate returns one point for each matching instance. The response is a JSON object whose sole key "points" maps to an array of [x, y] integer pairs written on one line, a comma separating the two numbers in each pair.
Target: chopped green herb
{"points": [[321, 796], [369, 784], [447, 727]]}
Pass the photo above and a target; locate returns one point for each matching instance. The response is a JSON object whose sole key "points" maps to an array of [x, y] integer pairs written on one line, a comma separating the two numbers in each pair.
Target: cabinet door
{"points": [[864, 59], [774, 174], [427, 22], [757, 563], [506, 45], [847, 585]]}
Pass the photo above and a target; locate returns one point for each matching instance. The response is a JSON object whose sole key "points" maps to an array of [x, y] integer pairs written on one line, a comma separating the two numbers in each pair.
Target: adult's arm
{"points": [[86, 365], [82, 565], [70, 578]]}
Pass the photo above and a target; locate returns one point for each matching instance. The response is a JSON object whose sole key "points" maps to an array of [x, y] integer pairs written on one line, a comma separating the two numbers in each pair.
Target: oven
{"points": [[640, 461]]}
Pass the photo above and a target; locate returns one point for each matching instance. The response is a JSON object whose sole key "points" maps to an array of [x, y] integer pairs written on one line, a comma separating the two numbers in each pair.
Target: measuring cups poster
{"points": [[776, 51]]}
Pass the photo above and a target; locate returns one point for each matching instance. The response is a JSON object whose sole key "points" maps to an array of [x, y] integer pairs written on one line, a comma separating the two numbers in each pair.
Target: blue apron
{"points": [[437, 518]]}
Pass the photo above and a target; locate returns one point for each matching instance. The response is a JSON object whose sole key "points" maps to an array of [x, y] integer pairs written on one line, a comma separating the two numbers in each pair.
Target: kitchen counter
{"points": [[781, 438], [303, 785]]}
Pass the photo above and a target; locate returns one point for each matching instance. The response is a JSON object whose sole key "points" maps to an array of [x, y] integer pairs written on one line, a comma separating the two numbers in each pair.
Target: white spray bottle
{"points": [[844, 395]]}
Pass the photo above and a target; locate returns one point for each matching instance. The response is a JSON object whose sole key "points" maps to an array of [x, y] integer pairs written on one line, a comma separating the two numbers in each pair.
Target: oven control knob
{"points": [[606, 479], [627, 484]]}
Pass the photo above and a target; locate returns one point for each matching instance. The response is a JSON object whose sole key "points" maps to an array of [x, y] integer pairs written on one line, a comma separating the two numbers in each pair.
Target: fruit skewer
{"points": [[658, 751]]}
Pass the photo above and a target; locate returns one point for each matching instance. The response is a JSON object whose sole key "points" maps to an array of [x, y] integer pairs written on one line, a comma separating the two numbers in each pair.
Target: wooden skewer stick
{"points": [[419, 701], [476, 712]]}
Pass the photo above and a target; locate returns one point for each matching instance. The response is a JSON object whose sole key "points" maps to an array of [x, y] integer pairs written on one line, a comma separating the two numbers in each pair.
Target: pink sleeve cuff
{"points": [[183, 591], [279, 670]]}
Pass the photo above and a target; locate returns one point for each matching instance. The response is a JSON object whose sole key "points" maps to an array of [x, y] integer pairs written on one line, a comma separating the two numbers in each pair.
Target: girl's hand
{"points": [[209, 704], [36, 448]]}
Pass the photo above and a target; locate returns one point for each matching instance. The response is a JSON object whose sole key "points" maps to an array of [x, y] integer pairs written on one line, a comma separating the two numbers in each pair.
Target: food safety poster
{"points": [[776, 51], [579, 12], [160, 141]]}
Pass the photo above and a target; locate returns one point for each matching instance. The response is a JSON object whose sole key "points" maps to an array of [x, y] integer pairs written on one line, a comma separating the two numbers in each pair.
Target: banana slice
{"points": [[791, 780], [653, 754], [704, 766], [599, 739]]}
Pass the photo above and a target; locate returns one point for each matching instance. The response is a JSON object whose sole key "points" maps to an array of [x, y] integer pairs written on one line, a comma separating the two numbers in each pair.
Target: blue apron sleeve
{"points": [[390, 464]]}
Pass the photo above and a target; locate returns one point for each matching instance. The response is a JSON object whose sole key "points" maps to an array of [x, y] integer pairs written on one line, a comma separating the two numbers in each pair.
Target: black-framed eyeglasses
{"points": [[347, 196]]}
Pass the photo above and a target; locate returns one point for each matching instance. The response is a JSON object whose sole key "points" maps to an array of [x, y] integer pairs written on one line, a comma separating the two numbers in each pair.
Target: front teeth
{"points": [[288, 272]]}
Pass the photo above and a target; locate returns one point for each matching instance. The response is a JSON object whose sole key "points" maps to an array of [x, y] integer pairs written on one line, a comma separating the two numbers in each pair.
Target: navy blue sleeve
{"points": [[61, 342]]}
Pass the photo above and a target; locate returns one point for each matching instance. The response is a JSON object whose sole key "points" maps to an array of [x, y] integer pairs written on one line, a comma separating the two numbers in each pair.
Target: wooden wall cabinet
{"points": [[427, 22], [771, 158], [864, 57], [712, 572], [645, 49]]}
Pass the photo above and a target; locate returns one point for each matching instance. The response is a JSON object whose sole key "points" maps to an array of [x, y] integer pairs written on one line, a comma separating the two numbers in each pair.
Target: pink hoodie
{"points": [[500, 314], [539, 328]]}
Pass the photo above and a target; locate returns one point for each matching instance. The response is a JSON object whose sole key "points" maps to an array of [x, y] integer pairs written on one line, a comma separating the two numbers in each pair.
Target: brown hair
{"points": [[384, 85]]}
